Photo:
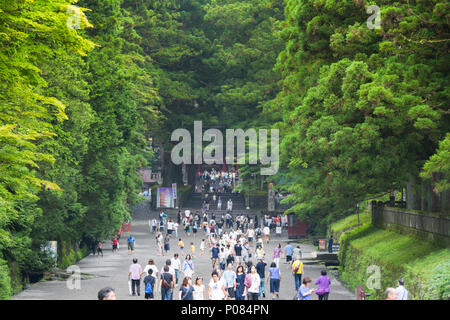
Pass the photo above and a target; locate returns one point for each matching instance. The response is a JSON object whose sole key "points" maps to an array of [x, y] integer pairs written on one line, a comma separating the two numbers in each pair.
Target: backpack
{"points": [[148, 288]]}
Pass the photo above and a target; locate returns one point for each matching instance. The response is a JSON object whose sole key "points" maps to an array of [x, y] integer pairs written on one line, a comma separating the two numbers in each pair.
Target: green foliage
{"points": [[5, 281], [440, 282], [439, 163], [362, 110], [398, 256], [349, 222]]}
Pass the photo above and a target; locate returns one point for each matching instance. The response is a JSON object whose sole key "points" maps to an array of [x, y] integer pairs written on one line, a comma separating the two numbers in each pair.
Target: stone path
{"points": [[112, 270]]}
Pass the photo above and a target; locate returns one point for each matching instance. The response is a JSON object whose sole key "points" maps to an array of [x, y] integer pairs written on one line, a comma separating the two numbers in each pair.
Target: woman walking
{"points": [[188, 266], [277, 254], [199, 289], [252, 283], [324, 285], [304, 293], [186, 290], [240, 279], [274, 276]]}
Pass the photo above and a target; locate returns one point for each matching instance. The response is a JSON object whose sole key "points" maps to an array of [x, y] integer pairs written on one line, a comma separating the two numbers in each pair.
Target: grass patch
{"points": [[424, 266], [347, 223]]}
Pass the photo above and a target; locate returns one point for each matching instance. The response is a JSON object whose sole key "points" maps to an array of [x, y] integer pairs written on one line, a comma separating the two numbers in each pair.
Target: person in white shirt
{"points": [[187, 214], [176, 265], [169, 226], [230, 205], [250, 235], [151, 265], [154, 225], [199, 289], [402, 293], [253, 290], [216, 288], [266, 232], [175, 229], [202, 247]]}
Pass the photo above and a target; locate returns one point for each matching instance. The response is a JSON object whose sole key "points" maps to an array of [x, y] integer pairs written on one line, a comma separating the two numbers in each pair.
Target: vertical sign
{"points": [[174, 190], [164, 198]]}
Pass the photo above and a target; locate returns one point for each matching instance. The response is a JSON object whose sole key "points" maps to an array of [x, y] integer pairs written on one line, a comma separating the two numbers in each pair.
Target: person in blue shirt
{"points": [[304, 292], [289, 249], [131, 241], [215, 256]]}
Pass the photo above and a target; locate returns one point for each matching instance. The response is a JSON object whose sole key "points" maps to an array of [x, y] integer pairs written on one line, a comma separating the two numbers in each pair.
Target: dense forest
{"points": [[84, 85]]}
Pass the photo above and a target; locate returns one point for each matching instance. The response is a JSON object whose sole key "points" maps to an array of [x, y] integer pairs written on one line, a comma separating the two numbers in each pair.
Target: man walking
{"points": [[134, 273], [176, 265], [297, 271], [131, 241], [289, 250], [166, 284], [261, 269]]}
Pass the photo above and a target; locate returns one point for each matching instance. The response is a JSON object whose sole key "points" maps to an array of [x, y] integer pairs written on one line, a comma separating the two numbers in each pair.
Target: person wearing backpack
{"points": [[149, 282], [166, 284]]}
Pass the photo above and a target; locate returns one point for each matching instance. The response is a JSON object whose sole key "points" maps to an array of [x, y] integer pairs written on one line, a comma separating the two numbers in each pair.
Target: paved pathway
{"points": [[112, 270]]}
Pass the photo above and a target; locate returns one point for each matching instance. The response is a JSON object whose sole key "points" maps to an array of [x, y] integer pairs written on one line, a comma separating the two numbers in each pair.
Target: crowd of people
{"points": [[241, 269], [217, 181]]}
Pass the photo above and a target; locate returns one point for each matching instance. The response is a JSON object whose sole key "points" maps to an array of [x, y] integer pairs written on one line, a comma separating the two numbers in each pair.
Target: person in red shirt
{"points": [[115, 243]]}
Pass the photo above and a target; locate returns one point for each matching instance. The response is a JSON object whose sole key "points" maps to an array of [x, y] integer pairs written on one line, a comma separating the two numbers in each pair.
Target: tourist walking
{"points": [[240, 283], [402, 293], [252, 283], [277, 254], [297, 271], [229, 277], [199, 289], [324, 285], [176, 265], [261, 269], [186, 290], [215, 255], [274, 276], [166, 244], [216, 288], [100, 248], [289, 251], [304, 292], [188, 266], [149, 285], [151, 265], [297, 253], [134, 273], [115, 245], [166, 284], [131, 241], [266, 232]]}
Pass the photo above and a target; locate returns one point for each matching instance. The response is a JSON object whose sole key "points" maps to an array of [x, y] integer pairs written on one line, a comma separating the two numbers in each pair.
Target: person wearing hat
{"points": [[261, 269]]}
